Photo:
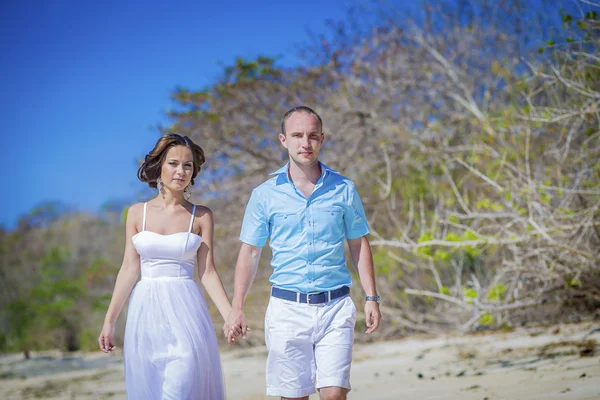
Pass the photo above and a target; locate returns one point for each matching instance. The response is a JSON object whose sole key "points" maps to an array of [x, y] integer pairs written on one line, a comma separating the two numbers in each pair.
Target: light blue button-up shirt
{"points": [[307, 234]]}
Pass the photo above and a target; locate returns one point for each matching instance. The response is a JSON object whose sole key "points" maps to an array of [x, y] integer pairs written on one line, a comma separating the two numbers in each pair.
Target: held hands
{"points": [[372, 316], [105, 340], [235, 325]]}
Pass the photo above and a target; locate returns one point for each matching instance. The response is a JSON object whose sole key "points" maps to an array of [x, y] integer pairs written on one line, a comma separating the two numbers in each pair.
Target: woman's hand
{"points": [[105, 340]]}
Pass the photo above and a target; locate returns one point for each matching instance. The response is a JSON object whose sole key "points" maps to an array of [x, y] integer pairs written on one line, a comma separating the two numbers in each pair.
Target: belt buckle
{"points": [[308, 297]]}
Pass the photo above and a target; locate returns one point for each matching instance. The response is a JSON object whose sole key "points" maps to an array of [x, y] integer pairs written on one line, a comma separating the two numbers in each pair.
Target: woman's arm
{"points": [[126, 279], [206, 264]]}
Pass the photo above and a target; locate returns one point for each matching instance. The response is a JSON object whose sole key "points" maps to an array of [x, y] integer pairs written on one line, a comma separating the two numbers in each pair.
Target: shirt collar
{"points": [[283, 170]]}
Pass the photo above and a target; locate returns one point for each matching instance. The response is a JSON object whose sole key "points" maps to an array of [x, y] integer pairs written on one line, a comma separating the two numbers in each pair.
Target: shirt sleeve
{"points": [[355, 222], [255, 226]]}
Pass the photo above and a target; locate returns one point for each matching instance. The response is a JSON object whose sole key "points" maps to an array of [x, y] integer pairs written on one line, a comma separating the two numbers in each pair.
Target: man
{"points": [[307, 210]]}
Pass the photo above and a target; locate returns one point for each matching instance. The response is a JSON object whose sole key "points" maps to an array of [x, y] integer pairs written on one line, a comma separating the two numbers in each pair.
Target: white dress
{"points": [[170, 347]]}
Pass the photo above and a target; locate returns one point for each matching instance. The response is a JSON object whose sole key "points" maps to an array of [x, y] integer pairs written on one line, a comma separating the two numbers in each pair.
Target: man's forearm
{"points": [[360, 249], [245, 271]]}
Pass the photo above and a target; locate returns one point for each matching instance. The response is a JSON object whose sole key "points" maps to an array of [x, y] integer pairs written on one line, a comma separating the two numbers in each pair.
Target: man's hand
{"points": [[231, 332], [372, 316], [235, 325]]}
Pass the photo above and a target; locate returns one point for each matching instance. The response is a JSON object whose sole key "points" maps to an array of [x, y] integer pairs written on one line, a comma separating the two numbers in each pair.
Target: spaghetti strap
{"points": [[144, 218], [192, 220]]}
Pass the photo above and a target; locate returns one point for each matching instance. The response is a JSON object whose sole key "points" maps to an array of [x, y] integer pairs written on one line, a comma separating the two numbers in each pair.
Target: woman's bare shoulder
{"points": [[135, 212], [203, 211]]}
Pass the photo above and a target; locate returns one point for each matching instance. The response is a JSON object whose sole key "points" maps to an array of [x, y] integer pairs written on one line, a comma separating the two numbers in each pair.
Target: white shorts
{"points": [[307, 343]]}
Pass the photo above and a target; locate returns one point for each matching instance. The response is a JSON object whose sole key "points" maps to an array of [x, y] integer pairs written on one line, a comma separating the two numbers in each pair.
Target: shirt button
{"points": [[310, 243]]}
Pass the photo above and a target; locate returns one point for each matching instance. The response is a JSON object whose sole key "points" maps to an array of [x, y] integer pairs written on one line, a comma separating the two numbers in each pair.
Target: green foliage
{"points": [[20, 319], [472, 250], [426, 236], [488, 204], [246, 71], [53, 305], [470, 235], [442, 255], [497, 293], [54, 300], [88, 339], [386, 265], [415, 184], [469, 294], [100, 302], [124, 214], [546, 198], [98, 270], [486, 320], [452, 237]]}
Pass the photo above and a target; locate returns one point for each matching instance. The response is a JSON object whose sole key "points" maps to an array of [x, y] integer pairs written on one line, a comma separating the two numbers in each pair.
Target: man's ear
{"points": [[282, 140]]}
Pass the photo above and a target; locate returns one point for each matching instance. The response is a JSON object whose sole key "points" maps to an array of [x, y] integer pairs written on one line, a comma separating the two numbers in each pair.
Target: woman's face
{"points": [[178, 168]]}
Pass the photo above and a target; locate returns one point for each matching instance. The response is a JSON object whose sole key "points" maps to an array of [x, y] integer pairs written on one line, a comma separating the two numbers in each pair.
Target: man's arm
{"points": [[254, 235], [360, 250], [245, 271]]}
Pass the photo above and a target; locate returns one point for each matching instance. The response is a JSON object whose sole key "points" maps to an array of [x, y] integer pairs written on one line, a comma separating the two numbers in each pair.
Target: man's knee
{"points": [[333, 393]]}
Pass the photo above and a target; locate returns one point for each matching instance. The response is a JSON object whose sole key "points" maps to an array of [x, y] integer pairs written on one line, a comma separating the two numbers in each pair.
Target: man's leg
{"points": [[291, 367], [333, 348], [333, 393]]}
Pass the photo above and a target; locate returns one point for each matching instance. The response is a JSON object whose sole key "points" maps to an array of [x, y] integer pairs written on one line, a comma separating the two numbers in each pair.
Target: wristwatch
{"points": [[373, 298]]}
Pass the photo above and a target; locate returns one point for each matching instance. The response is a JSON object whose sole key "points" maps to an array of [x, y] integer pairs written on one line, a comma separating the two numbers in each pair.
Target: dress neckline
{"points": [[167, 234]]}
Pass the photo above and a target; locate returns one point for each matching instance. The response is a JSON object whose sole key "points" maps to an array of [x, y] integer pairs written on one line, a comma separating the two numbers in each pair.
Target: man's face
{"points": [[303, 138]]}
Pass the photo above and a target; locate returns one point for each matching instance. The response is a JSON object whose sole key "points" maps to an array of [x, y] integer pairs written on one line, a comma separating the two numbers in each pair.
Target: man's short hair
{"points": [[304, 109]]}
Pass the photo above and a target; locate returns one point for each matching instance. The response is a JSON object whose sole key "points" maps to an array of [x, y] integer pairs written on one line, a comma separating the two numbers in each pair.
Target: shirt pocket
{"points": [[329, 224], [285, 229]]}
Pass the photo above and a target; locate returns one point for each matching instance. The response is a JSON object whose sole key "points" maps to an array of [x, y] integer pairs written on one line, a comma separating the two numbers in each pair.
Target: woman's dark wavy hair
{"points": [[150, 169]]}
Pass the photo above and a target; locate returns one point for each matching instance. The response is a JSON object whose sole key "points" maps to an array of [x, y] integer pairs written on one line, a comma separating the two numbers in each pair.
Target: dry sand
{"points": [[528, 363]]}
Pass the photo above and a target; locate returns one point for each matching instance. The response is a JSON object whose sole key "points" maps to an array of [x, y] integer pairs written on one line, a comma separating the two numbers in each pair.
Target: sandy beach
{"points": [[552, 362]]}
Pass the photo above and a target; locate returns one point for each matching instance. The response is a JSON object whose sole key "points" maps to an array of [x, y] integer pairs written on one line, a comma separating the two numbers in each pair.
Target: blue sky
{"points": [[85, 83]]}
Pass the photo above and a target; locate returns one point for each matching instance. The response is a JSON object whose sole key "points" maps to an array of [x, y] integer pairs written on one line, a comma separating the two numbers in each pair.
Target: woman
{"points": [[170, 348]]}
